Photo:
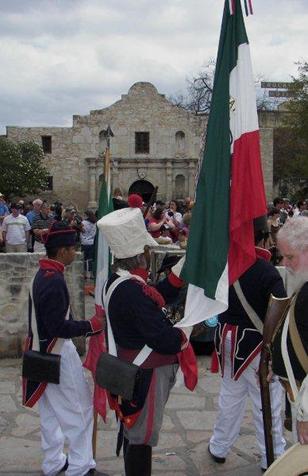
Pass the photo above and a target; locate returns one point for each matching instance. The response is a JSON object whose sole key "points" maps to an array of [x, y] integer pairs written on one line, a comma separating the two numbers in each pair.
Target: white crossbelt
{"points": [[112, 349]]}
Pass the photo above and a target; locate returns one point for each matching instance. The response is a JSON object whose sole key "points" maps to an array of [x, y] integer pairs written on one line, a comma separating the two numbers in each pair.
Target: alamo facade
{"points": [[155, 143]]}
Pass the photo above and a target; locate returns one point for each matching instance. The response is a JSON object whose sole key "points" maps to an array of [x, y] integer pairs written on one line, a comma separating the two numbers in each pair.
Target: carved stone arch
{"points": [[143, 187]]}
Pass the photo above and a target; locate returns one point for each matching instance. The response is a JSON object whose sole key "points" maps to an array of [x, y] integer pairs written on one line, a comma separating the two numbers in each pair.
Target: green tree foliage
{"points": [[21, 169], [294, 143]]}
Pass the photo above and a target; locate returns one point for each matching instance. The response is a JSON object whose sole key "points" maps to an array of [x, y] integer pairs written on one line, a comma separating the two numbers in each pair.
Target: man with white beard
{"points": [[287, 359]]}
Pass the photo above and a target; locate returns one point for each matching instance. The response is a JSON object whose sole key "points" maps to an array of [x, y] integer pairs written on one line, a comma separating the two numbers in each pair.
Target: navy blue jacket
{"points": [[260, 281], [137, 320]]}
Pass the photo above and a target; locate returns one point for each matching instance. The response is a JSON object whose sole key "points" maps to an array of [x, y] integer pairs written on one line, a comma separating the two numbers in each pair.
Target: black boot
{"points": [[138, 460]]}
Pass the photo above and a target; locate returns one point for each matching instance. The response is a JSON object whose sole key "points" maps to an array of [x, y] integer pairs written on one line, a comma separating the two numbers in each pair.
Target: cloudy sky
{"points": [[65, 57]]}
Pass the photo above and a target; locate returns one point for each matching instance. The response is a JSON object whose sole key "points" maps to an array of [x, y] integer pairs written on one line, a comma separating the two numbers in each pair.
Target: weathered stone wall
{"points": [[76, 159], [16, 272]]}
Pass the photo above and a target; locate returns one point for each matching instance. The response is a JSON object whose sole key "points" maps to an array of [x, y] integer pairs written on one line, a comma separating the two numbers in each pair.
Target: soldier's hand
{"points": [[302, 432]]}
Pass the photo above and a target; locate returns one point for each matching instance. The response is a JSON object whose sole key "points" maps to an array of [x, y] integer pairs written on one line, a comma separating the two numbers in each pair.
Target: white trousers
{"points": [[232, 404], [66, 414]]}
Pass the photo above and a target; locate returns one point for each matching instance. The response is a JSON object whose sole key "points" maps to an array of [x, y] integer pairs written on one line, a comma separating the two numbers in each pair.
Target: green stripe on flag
{"points": [[105, 206], [208, 244]]}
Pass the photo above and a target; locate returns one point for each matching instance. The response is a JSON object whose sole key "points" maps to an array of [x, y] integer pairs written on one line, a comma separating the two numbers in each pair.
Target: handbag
{"points": [[113, 374], [117, 376], [41, 367]]}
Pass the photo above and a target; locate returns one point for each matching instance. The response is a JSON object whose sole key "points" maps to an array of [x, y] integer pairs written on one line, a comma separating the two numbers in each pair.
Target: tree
{"points": [[22, 171], [199, 91], [200, 88], [291, 141]]}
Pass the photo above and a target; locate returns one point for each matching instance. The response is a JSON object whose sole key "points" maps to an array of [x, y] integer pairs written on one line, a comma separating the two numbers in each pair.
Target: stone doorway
{"points": [[143, 187]]}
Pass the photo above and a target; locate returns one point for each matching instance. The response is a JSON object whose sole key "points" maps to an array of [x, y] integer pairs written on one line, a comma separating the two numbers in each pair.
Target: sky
{"points": [[65, 57]]}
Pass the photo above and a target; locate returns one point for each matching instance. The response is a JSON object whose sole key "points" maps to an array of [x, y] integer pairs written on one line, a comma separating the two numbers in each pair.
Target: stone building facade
{"points": [[155, 143]]}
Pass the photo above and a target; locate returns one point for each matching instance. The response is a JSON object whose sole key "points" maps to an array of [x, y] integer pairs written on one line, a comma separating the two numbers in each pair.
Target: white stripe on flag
{"points": [[243, 111], [199, 307]]}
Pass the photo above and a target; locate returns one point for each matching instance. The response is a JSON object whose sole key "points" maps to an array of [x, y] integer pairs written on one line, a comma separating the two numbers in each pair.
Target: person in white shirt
{"points": [[87, 237], [16, 231], [173, 214]]}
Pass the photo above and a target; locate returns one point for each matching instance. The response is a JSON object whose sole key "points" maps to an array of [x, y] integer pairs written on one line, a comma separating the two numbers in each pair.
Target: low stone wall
{"points": [[16, 272]]}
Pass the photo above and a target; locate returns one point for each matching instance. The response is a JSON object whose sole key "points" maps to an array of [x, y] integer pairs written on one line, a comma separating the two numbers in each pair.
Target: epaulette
{"points": [[153, 294]]}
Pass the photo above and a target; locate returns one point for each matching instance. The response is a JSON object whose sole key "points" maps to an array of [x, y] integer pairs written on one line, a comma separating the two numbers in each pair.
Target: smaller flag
{"points": [[97, 343]]}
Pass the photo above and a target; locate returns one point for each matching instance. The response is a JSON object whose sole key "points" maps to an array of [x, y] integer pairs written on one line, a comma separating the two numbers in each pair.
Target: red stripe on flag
{"points": [[247, 202]]}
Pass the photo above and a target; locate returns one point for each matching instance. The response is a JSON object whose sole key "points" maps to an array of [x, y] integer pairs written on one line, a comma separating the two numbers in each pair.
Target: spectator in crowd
{"points": [[157, 220], [40, 225], [273, 223], [299, 208], [15, 231], [72, 218], [117, 199], [278, 202], [36, 208], [57, 212], [183, 238], [4, 209], [173, 212], [187, 205], [87, 237], [21, 204], [164, 237]]}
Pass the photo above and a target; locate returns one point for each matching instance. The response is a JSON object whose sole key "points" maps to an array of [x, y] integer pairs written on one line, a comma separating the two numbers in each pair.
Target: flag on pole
{"points": [[230, 190], [97, 343], [102, 254]]}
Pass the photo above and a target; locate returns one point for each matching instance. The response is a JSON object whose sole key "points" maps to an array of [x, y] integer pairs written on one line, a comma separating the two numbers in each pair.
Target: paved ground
{"points": [[182, 449]]}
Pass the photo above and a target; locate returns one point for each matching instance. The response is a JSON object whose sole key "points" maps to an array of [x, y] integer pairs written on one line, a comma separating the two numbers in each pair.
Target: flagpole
{"points": [[107, 176]]}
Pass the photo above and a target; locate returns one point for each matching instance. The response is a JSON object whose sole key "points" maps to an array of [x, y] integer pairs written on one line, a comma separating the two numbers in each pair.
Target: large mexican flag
{"points": [[230, 189]]}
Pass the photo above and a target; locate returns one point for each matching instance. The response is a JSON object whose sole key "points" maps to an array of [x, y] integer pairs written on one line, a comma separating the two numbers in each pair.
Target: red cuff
{"points": [[96, 324], [175, 281]]}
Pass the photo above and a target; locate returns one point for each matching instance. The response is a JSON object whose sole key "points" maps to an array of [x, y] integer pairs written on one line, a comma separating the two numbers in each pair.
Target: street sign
{"points": [[281, 94], [275, 85]]}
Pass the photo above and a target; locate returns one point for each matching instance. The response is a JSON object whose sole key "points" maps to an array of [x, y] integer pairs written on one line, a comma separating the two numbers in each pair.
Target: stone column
{"points": [[92, 203], [169, 190], [191, 178]]}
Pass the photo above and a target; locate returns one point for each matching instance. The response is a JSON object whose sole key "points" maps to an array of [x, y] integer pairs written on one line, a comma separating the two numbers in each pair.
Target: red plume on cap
{"points": [[135, 201]]}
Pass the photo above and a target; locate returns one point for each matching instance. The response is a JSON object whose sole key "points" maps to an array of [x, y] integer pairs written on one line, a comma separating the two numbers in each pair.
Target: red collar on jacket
{"points": [[263, 253], [141, 272], [51, 264]]}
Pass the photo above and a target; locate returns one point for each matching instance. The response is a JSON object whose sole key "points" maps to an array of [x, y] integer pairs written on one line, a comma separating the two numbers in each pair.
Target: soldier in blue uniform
{"points": [[238, 344], [66, 411], [140, 328]]}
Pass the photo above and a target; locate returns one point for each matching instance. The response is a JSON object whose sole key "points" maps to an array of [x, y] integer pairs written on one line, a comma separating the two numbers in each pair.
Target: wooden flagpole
{"points": [[107, 133]]}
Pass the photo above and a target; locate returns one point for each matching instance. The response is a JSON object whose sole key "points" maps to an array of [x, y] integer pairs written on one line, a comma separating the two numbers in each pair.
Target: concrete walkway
{"points": [[182, 449]]}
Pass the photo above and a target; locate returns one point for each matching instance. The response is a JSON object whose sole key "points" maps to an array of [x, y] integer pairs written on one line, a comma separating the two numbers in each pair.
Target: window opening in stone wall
{"points": [[142, 142], [46, 144], [180, 142], [179, 186], [49, 183]]}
